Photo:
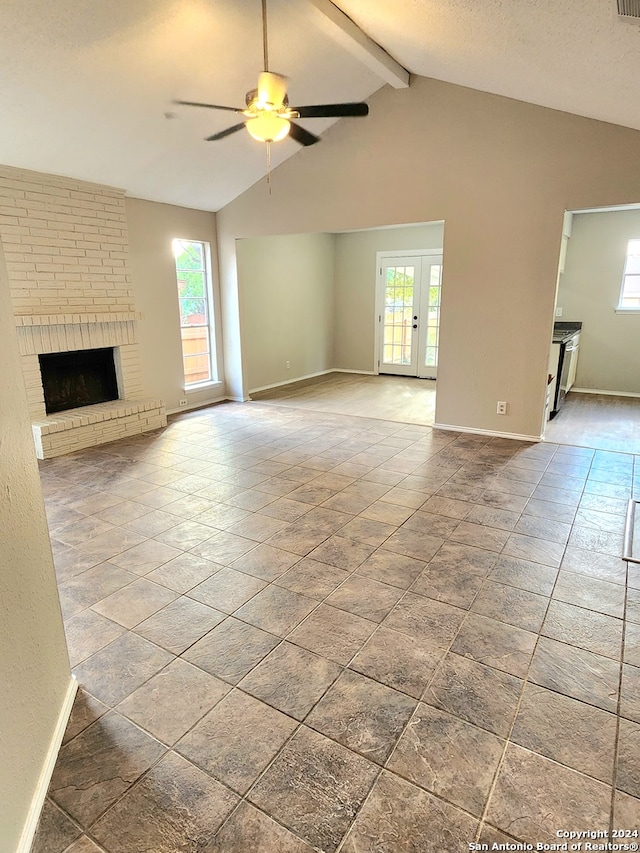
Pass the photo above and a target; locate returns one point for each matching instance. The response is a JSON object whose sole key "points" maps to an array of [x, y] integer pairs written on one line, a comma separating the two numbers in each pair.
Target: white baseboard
{"points": [[290, 381], [199, 405], [37, 802], [605, 393], [359, 372], [311, 376], [514, 435]]}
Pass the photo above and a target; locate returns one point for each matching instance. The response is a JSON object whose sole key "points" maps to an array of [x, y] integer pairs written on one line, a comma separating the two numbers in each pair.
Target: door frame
{"points": [[381, 257]]}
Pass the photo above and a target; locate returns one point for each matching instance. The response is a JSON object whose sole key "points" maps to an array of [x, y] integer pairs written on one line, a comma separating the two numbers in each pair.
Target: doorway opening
{"points": [[309, 309], [602, 391]]}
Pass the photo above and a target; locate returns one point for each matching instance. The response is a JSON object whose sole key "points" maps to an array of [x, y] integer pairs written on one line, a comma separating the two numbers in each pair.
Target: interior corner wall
{"points": [[287, 307], [589, 289], [152, 227], [355, 325], [500, 173], [34, 666]]}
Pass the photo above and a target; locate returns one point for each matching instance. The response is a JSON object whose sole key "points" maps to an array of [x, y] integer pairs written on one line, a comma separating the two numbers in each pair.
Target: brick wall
{"points": [[66, 250], [65, 244]]}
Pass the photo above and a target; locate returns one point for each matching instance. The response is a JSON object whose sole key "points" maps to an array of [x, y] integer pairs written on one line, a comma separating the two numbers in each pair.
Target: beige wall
{"points": [[589, 290], [152, 227], [500, 173], [34, 667], [355, 286], [287, 307]]}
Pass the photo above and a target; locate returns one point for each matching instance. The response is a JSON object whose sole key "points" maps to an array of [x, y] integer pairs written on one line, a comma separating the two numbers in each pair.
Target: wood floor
{"points": [[391, 398], [597, 421]]}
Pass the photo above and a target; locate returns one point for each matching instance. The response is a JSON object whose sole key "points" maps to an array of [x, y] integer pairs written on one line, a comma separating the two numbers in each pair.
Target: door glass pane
{"points": [[433, 316], [398, 315]]}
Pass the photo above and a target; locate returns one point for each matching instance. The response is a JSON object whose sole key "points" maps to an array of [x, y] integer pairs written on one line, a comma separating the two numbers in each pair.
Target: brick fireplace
{"points": [[66, 250]]}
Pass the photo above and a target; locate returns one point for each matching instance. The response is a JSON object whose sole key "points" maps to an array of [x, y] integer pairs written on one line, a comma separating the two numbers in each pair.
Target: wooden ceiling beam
{"points": [[347, 33]]}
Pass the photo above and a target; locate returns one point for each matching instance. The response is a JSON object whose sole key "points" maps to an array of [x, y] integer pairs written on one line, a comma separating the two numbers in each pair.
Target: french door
{"points": [[409, 314]]}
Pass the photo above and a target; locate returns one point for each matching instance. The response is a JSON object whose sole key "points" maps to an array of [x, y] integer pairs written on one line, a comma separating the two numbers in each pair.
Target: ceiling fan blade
{"points": [[302, 136], [209, 106], [233, 129], [333, 110]]}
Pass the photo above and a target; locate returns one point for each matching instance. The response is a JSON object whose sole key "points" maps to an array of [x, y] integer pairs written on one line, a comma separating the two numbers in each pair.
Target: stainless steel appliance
{"points": [[567, 335]]}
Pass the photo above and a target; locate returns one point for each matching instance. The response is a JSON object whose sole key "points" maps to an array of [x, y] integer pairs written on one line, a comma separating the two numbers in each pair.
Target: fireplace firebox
{"points": [[79, 378]]}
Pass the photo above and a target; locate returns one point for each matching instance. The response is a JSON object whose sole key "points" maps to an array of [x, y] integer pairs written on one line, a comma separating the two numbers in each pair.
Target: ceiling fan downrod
{"points": [[265, 47]]}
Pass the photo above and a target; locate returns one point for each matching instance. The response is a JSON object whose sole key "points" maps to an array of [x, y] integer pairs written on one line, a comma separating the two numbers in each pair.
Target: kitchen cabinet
{"points": [[571, 352]]}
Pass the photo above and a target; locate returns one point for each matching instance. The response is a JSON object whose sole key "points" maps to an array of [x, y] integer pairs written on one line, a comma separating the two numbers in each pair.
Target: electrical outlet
{"points": [[287, 365], [501, 408], [182, 402], [558, 312]]}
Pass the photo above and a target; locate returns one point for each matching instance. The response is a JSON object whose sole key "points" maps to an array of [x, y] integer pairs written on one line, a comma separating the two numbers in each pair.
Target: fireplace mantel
{"points": [[74, 319]]}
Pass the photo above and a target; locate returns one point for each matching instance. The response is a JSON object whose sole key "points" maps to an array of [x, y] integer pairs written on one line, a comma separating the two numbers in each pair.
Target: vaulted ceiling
{"points": [[86, 89]]}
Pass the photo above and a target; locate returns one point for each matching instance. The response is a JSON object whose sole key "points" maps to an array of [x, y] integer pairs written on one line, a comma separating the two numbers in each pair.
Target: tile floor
{"points": [[296, 631], [598, 420]]}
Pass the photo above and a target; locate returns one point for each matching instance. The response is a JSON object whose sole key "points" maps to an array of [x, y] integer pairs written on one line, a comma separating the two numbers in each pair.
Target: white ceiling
{"points": [[85, 86]]}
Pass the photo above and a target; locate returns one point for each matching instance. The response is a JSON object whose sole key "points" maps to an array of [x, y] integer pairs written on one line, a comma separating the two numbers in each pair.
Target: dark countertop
{"points": [[563, 330]]}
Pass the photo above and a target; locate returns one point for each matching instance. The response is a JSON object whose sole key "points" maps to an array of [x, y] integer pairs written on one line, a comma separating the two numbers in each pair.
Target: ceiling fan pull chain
{"points": [[269, 166], [264, 35]]}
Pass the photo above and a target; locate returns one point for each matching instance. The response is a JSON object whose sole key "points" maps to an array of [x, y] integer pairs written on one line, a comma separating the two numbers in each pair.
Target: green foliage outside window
{"points": [[192, 284]]}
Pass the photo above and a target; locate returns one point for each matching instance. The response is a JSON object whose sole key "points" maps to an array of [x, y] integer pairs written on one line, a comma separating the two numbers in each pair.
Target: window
{"points": [[630, 293], [193, 271]]}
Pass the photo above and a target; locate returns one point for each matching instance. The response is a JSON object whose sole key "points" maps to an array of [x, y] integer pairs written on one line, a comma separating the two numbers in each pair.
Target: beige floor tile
{"points": [[172, 701], [448, 757], [133, 603]]}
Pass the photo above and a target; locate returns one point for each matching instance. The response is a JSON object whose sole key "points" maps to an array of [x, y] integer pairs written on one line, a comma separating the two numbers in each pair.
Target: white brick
{"points": [[67, 247]]}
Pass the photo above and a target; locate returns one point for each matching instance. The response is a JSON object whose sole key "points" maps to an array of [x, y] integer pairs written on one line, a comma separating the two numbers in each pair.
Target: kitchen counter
{"points": [[562, 331]]}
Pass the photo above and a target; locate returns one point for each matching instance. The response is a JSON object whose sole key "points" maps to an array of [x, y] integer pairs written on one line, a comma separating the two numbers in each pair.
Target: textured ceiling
{"points": [[85, 86], [571, 55]]}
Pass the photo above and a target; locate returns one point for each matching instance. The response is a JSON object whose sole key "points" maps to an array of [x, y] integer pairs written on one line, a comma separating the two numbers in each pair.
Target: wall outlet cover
{"points": [[182, 402], [558, 312]]}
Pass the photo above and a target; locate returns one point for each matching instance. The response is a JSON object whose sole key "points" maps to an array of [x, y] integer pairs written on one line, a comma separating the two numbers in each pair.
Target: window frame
{"points": [[629, 309], [210, 314]]}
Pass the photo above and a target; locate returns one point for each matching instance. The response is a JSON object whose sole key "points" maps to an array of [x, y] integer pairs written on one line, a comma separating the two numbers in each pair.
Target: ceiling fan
{"points": [[268, 116]]}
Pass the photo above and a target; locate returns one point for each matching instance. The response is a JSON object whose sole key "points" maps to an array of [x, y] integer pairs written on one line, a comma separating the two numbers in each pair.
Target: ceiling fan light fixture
{"points": [[272, 90], [268, 127]]}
